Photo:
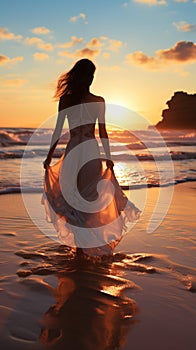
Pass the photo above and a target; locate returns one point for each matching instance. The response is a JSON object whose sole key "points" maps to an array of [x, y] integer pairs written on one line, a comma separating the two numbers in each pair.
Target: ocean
{"points": [[143, 296], [143, 158]]}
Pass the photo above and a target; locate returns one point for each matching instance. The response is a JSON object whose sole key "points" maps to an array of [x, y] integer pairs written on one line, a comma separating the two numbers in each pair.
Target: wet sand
{"points": [[144, 297]]}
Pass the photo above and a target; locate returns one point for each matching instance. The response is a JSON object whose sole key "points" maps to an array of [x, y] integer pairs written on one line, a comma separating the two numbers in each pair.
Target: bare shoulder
{"points": [[96, 98], [67, 101]]}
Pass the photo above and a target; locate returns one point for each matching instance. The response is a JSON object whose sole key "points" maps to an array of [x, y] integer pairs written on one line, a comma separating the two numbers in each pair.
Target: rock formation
{"points": [[181, 113]]}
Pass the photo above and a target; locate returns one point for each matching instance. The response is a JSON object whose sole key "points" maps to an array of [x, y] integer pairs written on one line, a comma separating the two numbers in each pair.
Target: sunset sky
{"points": [[144, 50]]}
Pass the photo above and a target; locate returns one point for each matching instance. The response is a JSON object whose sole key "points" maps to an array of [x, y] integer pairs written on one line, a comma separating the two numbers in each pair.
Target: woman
{"points": [[84, 202]]}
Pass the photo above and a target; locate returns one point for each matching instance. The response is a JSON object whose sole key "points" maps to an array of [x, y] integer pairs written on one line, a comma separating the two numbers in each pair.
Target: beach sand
{"points": [[143, 298]]}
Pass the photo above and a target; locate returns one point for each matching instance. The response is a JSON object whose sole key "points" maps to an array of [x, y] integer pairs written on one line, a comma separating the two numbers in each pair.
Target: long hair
{"points": [[77, 80]]}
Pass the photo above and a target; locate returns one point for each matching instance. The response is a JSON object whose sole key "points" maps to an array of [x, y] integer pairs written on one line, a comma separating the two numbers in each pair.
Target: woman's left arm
{"points": [[104, 135]]}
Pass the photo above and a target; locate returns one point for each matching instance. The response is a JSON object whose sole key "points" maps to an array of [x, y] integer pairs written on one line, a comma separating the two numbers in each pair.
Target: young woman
{"points": [[84, 202]]}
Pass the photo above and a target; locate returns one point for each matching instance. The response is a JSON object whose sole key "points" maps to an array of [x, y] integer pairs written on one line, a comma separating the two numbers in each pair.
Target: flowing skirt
{"points": [[84, 202]]}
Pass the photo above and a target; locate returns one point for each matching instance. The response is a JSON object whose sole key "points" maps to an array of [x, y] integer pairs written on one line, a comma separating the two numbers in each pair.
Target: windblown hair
{"points": [[77, 80]]}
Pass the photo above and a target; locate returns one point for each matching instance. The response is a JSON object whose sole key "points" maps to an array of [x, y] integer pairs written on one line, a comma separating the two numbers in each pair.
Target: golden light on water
{"points": [[124, 173], [119, 171]]}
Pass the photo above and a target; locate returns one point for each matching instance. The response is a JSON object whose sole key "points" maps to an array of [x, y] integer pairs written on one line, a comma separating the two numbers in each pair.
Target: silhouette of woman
{"points": [[83, 201]]}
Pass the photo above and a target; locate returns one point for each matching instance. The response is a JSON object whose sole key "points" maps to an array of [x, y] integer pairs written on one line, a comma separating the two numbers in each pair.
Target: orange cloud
{"points": [[87, 52], [114, 45], [140, 58], [152, 2], [40, 56], [6, 60], [3, 59], [40, 30], [92, 48], [103, 37], [39, 43], [95, 42], [181, 52], [73, 42], [6, 35], [106, 55], [184, 26]]}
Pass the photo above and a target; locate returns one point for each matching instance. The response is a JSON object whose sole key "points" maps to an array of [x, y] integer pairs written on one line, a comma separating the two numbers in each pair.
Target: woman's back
{"points": [[82, 113], [70, 100]]}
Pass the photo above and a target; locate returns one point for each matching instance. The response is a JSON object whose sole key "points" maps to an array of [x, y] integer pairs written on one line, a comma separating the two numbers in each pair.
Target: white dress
{"points": [[84, 202]]}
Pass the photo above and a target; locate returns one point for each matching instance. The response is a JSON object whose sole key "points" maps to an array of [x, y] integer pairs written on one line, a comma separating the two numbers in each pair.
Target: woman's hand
{"points": [[46, 163], [109, 164]]}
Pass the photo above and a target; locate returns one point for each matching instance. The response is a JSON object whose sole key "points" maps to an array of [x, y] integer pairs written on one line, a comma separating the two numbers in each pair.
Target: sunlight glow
{"points": [[119, 102]]}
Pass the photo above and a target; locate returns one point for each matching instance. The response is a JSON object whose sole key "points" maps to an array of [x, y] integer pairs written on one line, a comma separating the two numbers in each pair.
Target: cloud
{"points": [[114, 44], [110, 44], [152, 2], [94, 42], [106, 55], [182, 0], [6, 35], [41, 30], [6, 60], [40, 56], [85, 52], [181, 52], [82, 16], [103, 37], [74, 41], [140, 58], [92, 48], [3, 59], [185, 27], [13, 82], [39, 43]]}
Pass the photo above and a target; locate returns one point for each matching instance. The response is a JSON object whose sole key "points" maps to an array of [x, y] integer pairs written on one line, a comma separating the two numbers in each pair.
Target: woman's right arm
{"points": [[56, 133]]}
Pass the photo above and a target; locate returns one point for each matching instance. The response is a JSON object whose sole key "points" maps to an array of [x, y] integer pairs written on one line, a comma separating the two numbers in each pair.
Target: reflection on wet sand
{"points": [[90, 310]]}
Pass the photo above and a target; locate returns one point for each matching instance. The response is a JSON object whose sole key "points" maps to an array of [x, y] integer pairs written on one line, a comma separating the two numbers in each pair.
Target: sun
{"points": [[123, 101]]}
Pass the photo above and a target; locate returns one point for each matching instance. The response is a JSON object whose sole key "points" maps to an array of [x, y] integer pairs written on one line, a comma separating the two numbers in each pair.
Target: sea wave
{"points": [[14, 137], [135, 139], [174, 155], [18, 189]]}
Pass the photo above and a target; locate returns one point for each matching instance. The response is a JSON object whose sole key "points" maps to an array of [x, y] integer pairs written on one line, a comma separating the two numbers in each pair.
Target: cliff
{"points": [[181, 113]]}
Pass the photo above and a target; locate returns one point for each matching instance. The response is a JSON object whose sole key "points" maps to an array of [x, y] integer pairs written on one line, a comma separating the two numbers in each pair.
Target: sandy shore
{"points": [[143, 299]]}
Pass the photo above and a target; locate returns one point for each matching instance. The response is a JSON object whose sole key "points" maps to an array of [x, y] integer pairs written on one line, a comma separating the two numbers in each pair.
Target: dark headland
{"points": [[181, 113]]}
